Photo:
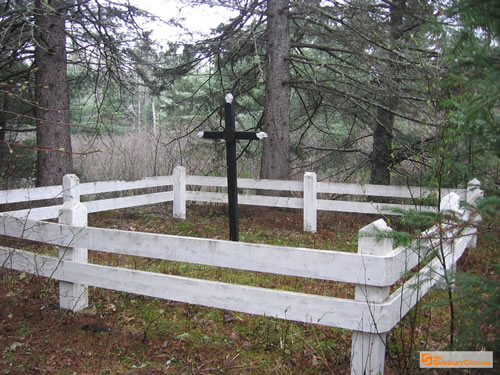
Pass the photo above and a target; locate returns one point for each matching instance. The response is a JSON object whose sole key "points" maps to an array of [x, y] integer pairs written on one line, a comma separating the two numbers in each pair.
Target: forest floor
{"points": [[122, 333]]}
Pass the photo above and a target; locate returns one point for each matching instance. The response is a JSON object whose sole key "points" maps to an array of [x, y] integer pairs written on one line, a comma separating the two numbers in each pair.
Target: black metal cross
{"points": [[230, 135]]}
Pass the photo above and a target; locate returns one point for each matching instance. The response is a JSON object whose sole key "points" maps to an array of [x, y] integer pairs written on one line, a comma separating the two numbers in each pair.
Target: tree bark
{"points": [[382, 153], [381, 157], [52, 96], [3, 120], [275, 155]]}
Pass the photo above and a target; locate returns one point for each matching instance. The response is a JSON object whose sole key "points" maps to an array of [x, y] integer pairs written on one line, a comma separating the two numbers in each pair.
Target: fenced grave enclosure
{"points": [[375, 269]]}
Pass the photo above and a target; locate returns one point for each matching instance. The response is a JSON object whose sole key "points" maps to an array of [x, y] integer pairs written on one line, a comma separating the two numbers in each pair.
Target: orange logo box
{"points": [[425, 359], [456, 359]]}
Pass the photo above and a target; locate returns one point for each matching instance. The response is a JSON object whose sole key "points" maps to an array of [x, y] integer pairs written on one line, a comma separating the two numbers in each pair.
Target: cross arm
{"points": [[210, 135], [237, 135], [251, 135]]}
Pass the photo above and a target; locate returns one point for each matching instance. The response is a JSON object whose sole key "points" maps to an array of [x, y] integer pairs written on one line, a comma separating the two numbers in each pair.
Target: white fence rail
{"points": [[374, 269], [309, 188]]}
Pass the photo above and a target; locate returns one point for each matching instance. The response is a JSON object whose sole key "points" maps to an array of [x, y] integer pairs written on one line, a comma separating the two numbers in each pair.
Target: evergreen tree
{"points": [[53, 34], [471, 92]]}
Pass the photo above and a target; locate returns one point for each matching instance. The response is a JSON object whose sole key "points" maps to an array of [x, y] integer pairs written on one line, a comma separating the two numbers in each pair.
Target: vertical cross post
{"points": [[73, 296], [230, 136]]}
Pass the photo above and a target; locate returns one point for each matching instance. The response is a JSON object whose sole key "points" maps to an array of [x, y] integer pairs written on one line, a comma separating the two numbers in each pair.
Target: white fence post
{"points": [[473, 190], [179, 205], [451, 204], [73, 296], [368, 349], [473, 193], [310, 202]]}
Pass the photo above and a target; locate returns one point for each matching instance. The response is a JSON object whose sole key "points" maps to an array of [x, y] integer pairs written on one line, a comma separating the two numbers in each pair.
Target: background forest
{"points": [[400, 91]]}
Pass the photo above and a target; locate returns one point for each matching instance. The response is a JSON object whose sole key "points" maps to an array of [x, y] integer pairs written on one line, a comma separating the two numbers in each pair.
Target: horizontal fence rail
{"points": [[87, 188], [411, 192], [299, 307], [179, 182], [318, 264], [374, 270]]}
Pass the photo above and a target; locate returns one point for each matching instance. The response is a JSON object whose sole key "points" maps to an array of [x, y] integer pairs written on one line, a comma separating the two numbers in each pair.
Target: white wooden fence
{"points": [[374, 269], [179, 181]]}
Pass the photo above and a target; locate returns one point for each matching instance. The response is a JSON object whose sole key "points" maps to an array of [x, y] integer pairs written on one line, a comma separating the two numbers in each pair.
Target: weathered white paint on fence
{"points": [[53, 192], [39, 213], [407, 296], [474, 191], [73, 295], [392, 191], [251, 200], [310, 203], [246, 183], [368, 207], [45, 213], [180, 195], [283, 185], [179, 205], [52, 212], [88, 188], [328, 265], [323, 187], [31, 194], [372, 314], [210, 181], [386, 314], [319, 264], [307, 308], [126, 202], [405, 258], [451, 203], [368, 349]]}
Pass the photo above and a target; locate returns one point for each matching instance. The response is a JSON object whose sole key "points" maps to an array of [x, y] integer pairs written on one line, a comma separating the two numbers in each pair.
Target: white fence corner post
{"points": [[310, 202], [368, 349], [73, 296], [179, 204]]}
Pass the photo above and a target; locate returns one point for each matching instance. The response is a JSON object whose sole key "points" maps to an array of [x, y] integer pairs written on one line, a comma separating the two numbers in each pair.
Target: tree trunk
{"points": [[3, 120], [381, 158], [153, 110], [139, 108], [275, 155], [52, 110]]}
